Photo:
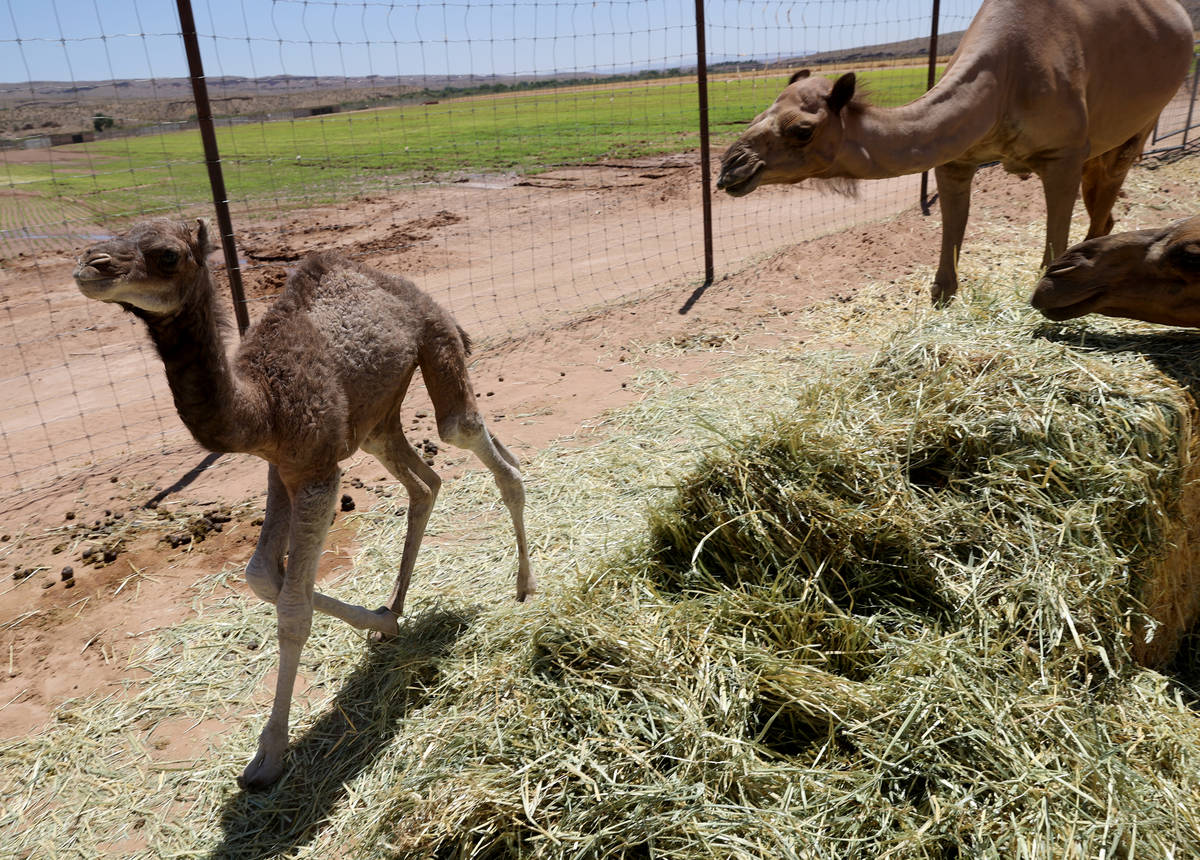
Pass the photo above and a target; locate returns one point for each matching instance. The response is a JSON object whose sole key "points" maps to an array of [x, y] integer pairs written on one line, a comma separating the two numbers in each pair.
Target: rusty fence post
{"points": [[212, 158], [929, 79], [705, 167]]}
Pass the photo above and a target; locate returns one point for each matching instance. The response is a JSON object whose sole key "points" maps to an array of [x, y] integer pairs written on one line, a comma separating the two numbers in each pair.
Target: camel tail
{"points": [[466, 339]]}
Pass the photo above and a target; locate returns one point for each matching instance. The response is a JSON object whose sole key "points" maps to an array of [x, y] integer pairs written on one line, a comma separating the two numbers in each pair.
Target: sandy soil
{"points": [[149, 521]]}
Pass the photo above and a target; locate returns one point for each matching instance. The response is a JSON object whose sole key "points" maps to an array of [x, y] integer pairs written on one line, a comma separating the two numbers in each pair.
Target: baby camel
{"points": [[1151, 275], [322, 374]]}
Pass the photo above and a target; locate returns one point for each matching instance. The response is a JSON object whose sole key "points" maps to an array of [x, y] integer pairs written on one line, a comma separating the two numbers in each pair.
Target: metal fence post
{"points": [[212, 158], [705, 182], [1187, 124], [929, 79]]}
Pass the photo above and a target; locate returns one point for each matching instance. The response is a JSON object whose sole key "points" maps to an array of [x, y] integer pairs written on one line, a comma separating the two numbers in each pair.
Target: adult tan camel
{"points": [[321, 374], [1064, 89], [1151, 275]]}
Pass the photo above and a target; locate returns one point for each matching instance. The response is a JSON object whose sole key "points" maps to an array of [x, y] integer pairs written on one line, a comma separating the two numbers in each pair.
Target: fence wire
{"points": [[525, 162]]}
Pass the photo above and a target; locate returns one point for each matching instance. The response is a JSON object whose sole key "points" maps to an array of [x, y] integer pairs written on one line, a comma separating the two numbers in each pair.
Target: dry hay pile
{"points": [[898, 619], [897, 622]]}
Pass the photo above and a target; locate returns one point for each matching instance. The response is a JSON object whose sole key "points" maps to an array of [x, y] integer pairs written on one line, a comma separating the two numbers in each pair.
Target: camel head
{"points": [[796, 138], [151, 268], [1151, 275]]}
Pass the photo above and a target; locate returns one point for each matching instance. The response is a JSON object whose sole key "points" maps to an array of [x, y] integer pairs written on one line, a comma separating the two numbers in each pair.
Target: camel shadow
{"points": [[1176, 353], [392, 681]]}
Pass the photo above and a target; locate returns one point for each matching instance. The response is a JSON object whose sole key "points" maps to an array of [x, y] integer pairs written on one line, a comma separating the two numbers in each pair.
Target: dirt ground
{"points": [[135, 530]]}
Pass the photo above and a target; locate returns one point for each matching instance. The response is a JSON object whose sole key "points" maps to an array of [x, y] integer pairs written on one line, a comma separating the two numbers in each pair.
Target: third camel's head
{"points": [[154, 267], [1151, 275], [796, 138]]}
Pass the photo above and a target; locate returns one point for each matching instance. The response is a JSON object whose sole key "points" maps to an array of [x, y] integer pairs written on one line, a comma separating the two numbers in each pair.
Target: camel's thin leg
{"points": [[954, 200], [312, 510], [264, 573], [460, 424], [1060, 185], [393, 450], [1102, 180], [470, 433]]}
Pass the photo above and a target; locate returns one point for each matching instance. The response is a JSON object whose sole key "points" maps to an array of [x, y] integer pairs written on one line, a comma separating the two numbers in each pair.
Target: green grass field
{"points": [[293, 162]]}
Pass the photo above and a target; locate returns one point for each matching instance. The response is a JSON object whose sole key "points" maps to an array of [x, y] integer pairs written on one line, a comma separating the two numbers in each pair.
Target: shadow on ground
{"points": [[1176, 353], [392, 681]]}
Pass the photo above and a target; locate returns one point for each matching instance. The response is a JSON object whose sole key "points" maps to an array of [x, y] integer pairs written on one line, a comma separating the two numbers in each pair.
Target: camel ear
{"points": [[203, 243], [843, 91], [800, 75]]}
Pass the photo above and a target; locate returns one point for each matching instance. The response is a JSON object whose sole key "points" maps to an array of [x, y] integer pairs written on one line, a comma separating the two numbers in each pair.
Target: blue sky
{"points": [[113, 39]]}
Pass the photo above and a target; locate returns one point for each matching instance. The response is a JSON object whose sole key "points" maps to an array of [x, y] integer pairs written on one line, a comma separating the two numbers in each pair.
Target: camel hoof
{"points": [[261, 773], [388, 629], [942, 296]]}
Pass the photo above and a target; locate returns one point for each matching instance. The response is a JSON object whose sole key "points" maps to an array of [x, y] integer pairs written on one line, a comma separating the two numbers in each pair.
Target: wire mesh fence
{"points": [[525, 162]]}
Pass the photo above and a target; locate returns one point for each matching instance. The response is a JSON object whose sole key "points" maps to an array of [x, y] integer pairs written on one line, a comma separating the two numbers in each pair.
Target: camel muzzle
{"points": [[740, 175], [1060, 300], [102, 263]]}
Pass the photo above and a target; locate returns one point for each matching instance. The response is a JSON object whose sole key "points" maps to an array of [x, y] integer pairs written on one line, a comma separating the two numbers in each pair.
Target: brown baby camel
{"points": [[320, 375], [1064, 89], [1151, 275]]}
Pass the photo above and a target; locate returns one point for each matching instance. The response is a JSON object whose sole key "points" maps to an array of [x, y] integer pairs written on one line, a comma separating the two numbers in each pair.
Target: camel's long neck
{"points": [[223, 413], [940, 126]]}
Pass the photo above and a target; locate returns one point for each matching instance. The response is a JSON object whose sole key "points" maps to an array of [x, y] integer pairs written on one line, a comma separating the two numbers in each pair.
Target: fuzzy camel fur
{"points": [[1065, 89], [321, 374], [1151, 275]]}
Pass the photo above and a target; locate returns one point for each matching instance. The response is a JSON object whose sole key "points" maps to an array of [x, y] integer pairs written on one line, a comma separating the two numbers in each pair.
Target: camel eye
{"points": [[1186, 257], [168, 259], [800, 133]]}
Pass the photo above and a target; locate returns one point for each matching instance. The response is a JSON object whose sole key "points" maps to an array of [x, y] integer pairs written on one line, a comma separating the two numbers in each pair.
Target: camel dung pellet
{"points": [[70, 515], [347, 502], [68, 573]]}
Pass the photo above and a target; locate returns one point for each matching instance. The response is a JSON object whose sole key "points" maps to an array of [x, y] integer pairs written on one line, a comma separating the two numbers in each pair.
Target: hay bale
{"points": [[960, 446], [901, 621]]}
